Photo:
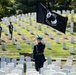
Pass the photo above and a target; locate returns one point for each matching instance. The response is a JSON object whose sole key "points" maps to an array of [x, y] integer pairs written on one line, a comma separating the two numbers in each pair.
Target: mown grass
{"points": [[56, 49]]}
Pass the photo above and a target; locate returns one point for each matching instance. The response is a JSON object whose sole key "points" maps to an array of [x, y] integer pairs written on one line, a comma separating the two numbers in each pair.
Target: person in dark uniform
{"points": [[11, 29], [0, 31], [38, 54]]}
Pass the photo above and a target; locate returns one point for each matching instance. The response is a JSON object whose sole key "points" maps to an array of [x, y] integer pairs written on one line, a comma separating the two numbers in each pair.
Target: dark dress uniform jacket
{"points": [[10, 28], [0, 30], [38, 55]]}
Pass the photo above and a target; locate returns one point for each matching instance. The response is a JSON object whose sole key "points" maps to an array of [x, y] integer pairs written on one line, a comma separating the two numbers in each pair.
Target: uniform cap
{"points": [[39, 37]]}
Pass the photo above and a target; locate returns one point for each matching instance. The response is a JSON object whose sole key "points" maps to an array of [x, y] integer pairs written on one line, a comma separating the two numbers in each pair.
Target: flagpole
{"points": [[37, 29], [36, 21]]}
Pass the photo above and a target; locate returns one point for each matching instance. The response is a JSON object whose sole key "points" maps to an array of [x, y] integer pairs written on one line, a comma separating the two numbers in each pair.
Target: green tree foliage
{"points": [[73, 3], [9, 7], [24, 6], [60, 4], [5, 7]]}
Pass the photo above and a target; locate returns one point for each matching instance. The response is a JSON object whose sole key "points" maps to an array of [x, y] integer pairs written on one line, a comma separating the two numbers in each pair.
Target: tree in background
{"points": [[5, 7], [9, 7], [24, 6], [73, 4], [60, 4]]}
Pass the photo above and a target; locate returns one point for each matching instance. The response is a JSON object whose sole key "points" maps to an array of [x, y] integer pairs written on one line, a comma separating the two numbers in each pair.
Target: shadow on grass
{"points": [[66, 38], [72, 53], [6, 34], [19, 34], [4, 50], [58, 43], [49, 49], [59, 34], [23, 39], [65, 49], [52, 38], [3, 41], [32, 33], [27, 30], [47, 34]]}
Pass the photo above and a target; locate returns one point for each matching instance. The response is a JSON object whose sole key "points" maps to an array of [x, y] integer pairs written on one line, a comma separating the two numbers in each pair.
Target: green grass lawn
{"points": [[55, 51]]}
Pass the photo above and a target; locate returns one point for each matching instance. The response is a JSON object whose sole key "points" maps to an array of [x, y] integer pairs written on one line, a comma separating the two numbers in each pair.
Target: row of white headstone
{"points": [[48, 44], [32, 32], [6, 21], [39, 28], [65, 12], [32, 15]]}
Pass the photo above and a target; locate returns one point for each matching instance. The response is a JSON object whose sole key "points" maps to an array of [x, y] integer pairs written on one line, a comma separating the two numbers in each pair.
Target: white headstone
{"points": [[50, 36], [9, 36], [15, 21], [72, 24], [68, 11], [32, 18], [22, 19], [30, 21], [72, 18], [53, 29], [14, 28], [64, 45], [7, 60], [27, 27], [35, 25], [43, 40], [72, 39], [57, 32], [71, 49], [63, 11], [14, 61], [67, 14], [22, 25], [3, 57], [5, 32], [72, 12], [65, 36], [7, 23], [39, 27], [58, 11], [28, 59], [23, 36], [47, 26], [48, 45], [31, 31], [49, 60], [71, 30], [45, 30], [13, 41], [29, 14], [3, 46], [19, 23], [18, 31], [33, 45], [27, 19], [28, 40], [18, 46], [57, 40]]}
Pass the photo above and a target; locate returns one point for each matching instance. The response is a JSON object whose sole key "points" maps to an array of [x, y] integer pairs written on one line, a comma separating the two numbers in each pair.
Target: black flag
{"points": [[52, 19]]}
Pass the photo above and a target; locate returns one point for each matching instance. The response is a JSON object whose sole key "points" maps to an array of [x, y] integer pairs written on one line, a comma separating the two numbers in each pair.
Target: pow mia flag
{"points": [[52, 19]]}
